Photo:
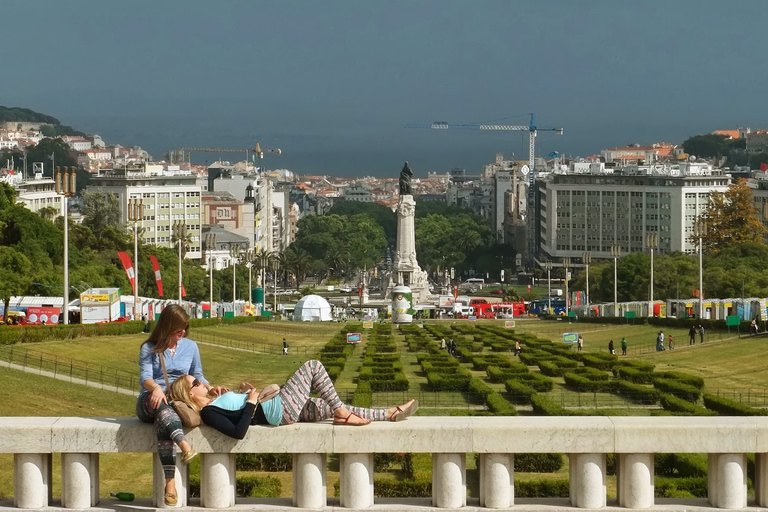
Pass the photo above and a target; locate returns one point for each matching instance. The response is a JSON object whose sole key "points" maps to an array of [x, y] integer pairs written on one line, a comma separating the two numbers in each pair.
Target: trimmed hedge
{"points": [[684, 465], [246, 486], [538, 462], [679, 389], [586, 385], [542, 488], [684, 378], [264, 462], [499, 406], [480, 387], [665, 487], [599, 361], [537, 381], [634, 363], [636, 392], [496, 374], [683, 407], [591, 373], [544, 406], [728, 407], [402, 488], [449, 382], [634, 375], [520, 393]]}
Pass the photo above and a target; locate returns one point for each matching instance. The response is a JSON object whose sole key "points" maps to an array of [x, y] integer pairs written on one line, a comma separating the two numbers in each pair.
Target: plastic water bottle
{"points": [[122, 496]]}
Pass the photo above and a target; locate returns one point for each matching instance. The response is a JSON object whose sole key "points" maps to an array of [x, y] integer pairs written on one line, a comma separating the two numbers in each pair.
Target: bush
{"points": [[480, 387], [635, 364], [636, 392], [519, 392], [498, 406], [258, 487], [685, 378], [679, 389], [599, 361], [544, 406], [449, 382], [399, 382], [591, 373], [683, 407], [586, 385], [264, 462], [496, 374], [685, 465], [666, 487], [538, 462], [402, 488], [727, 407], [634, 375], [542, 488], [537, 381]]}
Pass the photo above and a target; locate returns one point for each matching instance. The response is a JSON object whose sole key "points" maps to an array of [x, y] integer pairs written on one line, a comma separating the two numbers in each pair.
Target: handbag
{"points": [[189, 417]]}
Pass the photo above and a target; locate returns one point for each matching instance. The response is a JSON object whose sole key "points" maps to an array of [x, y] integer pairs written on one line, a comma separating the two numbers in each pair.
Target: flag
{"points": [[156, 270], [764, 167], [128, 266], [183, 290]]}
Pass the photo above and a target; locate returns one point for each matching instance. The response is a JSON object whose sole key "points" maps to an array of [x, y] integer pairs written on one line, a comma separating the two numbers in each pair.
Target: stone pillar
{"points": [[761, 479], [182, 483], [79, 480], [727, 479], [309, 487], [587, 480], [217, 480], [635, 475], [449, 480], [356, 482], [31, 480], [497, 480]]}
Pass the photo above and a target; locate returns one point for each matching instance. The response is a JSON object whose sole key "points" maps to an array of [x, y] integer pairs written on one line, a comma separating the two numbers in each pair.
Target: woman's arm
{"points": [[231, 423]]}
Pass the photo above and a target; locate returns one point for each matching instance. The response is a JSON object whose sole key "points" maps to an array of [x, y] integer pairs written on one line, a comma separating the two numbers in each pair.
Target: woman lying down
{"points": [[232, 413]]}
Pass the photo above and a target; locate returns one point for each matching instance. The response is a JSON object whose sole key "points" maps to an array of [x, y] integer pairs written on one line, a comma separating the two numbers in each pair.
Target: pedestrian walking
{"points": [[610, 347], [285, 347], [660, 342], [701, 334], [517, 347], [692, 335], [443, 345], [623, 346], [753, 326], [580, 343], [451, 346], [671, 343]]}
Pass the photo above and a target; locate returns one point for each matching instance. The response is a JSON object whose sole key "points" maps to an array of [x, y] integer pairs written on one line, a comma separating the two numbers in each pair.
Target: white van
{"points": [[476, 281]]}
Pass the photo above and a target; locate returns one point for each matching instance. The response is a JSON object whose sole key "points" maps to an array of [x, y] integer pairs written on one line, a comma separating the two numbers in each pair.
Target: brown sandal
{"points": [[170, 499], [345, 420]]}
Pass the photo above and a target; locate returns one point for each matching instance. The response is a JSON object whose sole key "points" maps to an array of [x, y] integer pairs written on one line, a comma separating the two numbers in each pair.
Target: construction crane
{"points": [[532, 129], [257, 151]]}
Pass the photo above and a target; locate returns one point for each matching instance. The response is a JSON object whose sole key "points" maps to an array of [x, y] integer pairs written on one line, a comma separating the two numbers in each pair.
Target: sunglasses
{"points": [[195, 383]]}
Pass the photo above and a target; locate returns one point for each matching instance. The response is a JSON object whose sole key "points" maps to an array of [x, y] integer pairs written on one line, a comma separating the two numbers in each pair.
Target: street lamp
{"points": [[700, 231], [210, 245], [587, 259], [249, 264], [135, 214], [180, 233], [548, 267], [234, 251], [652, 242], [566, 264], [615, 252], [65, 187]]}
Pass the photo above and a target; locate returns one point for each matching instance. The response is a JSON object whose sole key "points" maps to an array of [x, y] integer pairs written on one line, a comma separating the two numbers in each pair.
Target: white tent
{"points": [[312, 308]]}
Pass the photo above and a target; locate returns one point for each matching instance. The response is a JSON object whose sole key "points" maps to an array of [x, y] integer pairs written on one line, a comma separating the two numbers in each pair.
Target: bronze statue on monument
{"points": [[405, 180]]}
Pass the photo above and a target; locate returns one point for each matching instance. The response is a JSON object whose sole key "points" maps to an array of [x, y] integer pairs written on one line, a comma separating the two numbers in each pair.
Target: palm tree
{"points": [[299, 263], [282, 263]]}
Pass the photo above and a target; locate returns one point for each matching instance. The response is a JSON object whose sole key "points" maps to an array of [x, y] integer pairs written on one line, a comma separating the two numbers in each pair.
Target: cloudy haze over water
{"points": [[332, 83]]}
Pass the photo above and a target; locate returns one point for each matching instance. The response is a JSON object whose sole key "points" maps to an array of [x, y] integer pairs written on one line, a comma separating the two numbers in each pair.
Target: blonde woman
{"points": [[232, 413], [181, 356]]}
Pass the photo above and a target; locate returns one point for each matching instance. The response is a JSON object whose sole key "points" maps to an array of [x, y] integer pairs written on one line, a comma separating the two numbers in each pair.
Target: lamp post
{"points": [[210, 245], [652, 242], [249, 264], [548, 267], [587, 259], [65, 187], [180, 233], [135, 214], [566, 264], [234, 252], [615, 252], [700, 231]]}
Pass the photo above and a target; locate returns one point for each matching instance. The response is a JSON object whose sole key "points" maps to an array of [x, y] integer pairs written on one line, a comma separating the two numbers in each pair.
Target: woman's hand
{"points": [[157, 397], [245, 387], [217, 390], [253, 395]]}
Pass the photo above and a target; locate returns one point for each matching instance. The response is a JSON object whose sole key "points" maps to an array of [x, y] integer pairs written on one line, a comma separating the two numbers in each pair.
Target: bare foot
{"points": [[346, 417], [403, 411]]}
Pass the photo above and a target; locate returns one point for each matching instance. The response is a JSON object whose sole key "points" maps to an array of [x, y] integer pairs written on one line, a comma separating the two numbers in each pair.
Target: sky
{"points": [[333, 83]]}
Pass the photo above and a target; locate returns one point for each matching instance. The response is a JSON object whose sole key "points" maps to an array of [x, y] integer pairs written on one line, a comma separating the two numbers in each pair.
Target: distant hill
{"points": [[25, 115]]}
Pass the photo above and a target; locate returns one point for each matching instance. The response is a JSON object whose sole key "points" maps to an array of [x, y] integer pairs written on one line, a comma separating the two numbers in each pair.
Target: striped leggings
{"points": [[311, 377], [168, 429]]}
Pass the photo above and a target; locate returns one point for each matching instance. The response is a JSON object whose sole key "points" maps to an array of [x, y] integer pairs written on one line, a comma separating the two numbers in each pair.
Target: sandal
{"points": [[401, 413], [351, 415], [170, 499], [188, 456]]}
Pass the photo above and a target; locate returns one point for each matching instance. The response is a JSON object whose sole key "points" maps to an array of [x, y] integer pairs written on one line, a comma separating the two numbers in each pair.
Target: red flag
{"points": [[156, 270], [128, 266], [183, 291], [764, 167]]}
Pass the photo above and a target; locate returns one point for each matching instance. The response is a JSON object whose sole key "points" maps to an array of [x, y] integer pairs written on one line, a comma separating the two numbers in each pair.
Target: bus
{"points": [[539, 307]]}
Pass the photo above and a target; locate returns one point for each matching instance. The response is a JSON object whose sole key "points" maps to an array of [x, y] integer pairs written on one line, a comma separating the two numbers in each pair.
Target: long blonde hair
{"points": [[180, 392], [172, 319]]}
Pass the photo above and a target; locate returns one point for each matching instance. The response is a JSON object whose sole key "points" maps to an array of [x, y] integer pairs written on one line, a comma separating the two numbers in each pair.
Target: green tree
{"points": [[15, 274], [100, 212], [731, 219], [707, 146]]}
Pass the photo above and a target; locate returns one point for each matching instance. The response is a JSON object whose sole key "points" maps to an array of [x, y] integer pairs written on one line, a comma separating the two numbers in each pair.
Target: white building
{"points": [[169, 195], [77, 143], [589, 212]]}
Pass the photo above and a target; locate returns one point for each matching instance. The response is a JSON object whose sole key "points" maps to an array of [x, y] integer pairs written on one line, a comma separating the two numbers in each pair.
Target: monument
{"points": [[406, 270]]}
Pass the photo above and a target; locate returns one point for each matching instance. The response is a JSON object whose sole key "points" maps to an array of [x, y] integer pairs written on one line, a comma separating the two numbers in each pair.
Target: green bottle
{"points": [[122, 496]]}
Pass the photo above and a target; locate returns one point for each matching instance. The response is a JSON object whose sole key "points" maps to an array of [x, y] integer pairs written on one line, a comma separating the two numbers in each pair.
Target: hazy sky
{"points": [[332, 83]]}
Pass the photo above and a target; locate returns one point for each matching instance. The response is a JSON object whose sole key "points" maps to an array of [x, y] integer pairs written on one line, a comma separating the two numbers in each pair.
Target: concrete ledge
{"points": [[594, 434]]}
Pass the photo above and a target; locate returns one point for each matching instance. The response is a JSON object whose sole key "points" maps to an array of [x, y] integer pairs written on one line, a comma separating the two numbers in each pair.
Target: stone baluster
{"points": [[587, 480], [31, 480], [449, 480], [356, 483], [217, 480], [309, 485], [727, 480], [497, 480], [79, 480], [634, 482]]}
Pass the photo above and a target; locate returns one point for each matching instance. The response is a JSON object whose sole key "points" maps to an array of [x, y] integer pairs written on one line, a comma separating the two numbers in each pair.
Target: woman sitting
{"points": [[232, 413]]}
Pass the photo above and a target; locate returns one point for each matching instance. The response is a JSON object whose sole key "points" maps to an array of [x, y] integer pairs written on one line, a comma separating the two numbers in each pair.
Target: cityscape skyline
{"points": [[333, 85]]}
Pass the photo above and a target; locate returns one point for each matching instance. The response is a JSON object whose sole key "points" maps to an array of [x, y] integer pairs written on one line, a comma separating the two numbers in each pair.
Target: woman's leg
{"points": [[312, 377]]}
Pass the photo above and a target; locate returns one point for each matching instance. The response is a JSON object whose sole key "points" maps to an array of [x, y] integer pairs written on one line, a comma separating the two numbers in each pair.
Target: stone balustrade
{"points": [[586, 441]]}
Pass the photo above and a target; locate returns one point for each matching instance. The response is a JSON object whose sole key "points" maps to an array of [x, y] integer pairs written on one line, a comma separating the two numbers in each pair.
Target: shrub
{"points": [[499, 406], [397, 382], [634, 375], [727, 407], [496, 374], [591, 373], [544, 406], [685, 378], [599, 362], [586, 385], [449, 382], [532, 357], [679, 389], [635, 364], [686, 465], [666, 487], [519, 392], [480, 387], [542, 488], [258, 487], [402, 488], [636, 392], [537, 381], [538, 462], [264, 462], [683, 407]]}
